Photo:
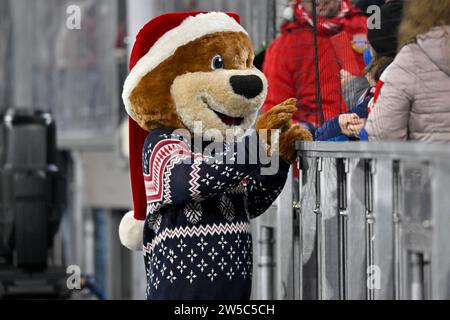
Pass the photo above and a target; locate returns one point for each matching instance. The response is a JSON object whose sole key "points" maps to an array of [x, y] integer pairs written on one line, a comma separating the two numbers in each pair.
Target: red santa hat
{"points": [[156, 42]]}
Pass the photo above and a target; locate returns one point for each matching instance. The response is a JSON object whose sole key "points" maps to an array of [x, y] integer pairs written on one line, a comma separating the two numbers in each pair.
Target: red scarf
{"points": [[378, 88], [324, 25]]}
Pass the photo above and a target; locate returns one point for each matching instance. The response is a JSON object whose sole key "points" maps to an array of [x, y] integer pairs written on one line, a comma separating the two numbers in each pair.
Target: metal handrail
{"points": [[379, 150], [362, 221]]}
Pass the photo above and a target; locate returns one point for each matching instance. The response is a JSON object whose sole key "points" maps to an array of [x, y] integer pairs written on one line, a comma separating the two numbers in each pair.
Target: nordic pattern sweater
{"points": [[197, 242]]}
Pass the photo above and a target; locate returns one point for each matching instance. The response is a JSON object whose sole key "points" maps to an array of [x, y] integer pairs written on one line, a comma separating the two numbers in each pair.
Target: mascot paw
{"points": [[288, 139], [277, 118]]}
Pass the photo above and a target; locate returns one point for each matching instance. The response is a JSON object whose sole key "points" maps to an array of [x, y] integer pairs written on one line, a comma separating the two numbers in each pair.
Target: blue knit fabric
{"points": [[197, 242], [328, 130], [363, 135]]}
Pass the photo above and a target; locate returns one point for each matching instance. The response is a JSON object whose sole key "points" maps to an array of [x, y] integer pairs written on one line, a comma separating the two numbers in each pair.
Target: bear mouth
{"points": [[226, 119], [229, 121]]}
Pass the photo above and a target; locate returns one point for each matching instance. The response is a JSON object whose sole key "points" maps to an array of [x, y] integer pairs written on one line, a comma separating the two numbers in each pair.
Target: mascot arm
{"points": [[186, 175], [262, 190]]}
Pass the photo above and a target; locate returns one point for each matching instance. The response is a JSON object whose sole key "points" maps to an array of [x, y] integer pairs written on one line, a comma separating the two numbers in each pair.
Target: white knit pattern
{"points": [[198, 231]]}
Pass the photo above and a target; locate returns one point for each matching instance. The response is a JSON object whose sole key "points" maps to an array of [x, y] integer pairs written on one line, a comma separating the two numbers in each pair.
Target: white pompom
{"points": [[288, 13], [131, 232]]}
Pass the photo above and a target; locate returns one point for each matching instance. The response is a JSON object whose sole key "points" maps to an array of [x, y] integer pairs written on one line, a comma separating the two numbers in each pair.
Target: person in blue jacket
{"points": [[344, 127]]}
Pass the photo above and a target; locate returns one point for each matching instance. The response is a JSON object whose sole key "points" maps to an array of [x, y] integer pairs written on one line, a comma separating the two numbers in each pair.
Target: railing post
{"points": [[298, 235], [319, 231], [439, 269], [417, 275], [382, 276], [370, 220], [266, 262], [342, 171], [396, 215]]}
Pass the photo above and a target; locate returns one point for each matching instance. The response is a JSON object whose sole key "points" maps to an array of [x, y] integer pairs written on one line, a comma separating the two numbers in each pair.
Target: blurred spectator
{"points": [[383, 46], [414, 102], [290, 60], [353, 87]]}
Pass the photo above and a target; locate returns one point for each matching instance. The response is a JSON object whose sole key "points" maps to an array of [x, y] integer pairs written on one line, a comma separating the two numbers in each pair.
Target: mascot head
{"points": [[194, 67], [187, 68]]}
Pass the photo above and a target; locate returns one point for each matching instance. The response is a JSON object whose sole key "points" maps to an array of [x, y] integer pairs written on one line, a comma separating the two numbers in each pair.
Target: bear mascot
{"points": [[192, 208]]}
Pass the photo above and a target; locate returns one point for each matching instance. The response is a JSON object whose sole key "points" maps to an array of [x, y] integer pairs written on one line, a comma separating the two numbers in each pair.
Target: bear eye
{"points": [[217, 62]]}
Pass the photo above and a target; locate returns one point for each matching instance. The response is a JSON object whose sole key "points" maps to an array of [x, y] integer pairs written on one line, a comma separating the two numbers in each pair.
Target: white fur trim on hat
{"points": [[131, 232], [190, 29]]}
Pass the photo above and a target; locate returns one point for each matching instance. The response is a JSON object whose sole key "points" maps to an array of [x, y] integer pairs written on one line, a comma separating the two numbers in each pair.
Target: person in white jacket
{"points": [[414, 102]]}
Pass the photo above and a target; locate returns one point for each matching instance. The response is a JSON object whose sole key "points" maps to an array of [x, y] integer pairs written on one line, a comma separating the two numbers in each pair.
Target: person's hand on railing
{"points": [[351, 124]]}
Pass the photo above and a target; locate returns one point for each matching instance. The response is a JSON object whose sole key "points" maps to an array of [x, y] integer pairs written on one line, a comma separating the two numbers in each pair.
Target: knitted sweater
{"points": [[197, 242]]}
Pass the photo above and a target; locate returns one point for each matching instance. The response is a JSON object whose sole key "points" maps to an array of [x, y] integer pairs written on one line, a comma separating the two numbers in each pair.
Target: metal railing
{"points": [[361, 221]]}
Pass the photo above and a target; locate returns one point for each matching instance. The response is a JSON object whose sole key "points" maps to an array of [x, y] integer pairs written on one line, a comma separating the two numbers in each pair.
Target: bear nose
{"points": [[248, 86]]}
